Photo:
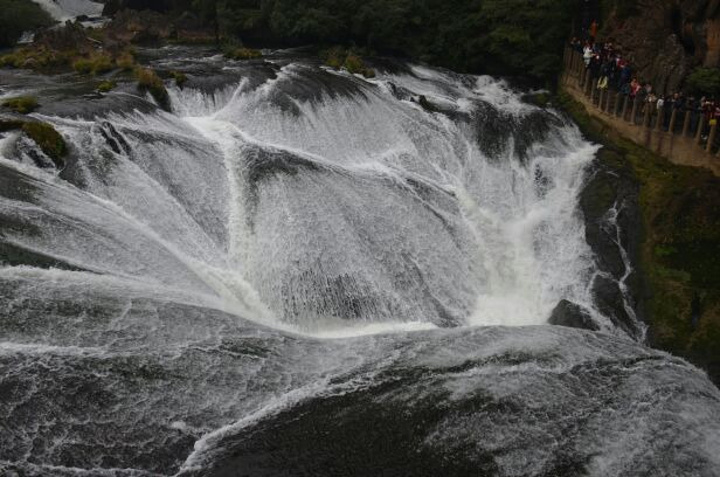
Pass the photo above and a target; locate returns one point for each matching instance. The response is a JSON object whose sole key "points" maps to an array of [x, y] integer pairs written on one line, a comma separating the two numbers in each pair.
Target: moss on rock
{"points": [[21, 104], [94, 64], [180, 78], [148, 81], [350, 60], [44, 135], [106, 86], [680, 250], [48, 139], [242, 53]]}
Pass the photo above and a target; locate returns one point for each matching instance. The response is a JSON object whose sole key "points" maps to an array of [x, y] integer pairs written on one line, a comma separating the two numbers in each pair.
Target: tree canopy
{"points": [[18, 16], [494, 36]]}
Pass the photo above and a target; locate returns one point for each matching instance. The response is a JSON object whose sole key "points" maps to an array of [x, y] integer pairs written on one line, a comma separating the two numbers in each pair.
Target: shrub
{"points": [[48, 139], [149, 81], [18, 16], [337, 57], [243, 54], [704, 81], [97, 63], [21, 104], [354, 64], [334, 57], [106, 86], [36, 58], [125, 61], [180, 78]]}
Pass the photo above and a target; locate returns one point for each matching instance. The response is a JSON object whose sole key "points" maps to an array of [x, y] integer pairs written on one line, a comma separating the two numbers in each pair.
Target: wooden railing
{"points": [[683, 135]]}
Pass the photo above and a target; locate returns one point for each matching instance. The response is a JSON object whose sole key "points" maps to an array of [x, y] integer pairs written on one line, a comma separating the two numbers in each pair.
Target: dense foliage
{"points": [[704, 81], [619, 8], [493, 36], [18, 16]]}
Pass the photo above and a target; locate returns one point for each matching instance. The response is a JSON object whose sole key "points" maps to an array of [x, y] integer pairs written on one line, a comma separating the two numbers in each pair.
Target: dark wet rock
{"points": [[42, 143], [427, 105], [428, 420], [124, 99], [610, 301], [18, 186], [262, 164], [116, 142], [495, 128], [613, 226], [313, 86], [15, 255], [572, 315], [403, 94]]}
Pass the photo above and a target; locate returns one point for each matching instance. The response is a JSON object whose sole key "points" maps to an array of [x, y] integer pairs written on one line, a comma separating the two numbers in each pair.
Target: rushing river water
{"points": [[302, 272]]}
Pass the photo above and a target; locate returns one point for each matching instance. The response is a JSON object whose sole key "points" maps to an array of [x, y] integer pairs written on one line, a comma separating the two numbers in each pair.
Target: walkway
{"points": [[681, 140]]}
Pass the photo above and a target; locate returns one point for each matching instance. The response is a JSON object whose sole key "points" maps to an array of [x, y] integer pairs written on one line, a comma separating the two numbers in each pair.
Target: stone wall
{"points": [[667, 39]]}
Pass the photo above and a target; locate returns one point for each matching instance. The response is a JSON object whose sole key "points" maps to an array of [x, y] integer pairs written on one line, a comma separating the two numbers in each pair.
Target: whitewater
{"points": [[299, 271]]}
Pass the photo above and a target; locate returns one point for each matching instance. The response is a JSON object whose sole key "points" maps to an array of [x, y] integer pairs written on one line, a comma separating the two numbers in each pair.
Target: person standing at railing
{"points": [[679, 109], [587, 53], [651, 102], [660, 108]]}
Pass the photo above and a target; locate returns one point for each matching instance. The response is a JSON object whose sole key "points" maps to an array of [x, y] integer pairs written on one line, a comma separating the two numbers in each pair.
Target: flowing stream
{"points": [[298, 271]]}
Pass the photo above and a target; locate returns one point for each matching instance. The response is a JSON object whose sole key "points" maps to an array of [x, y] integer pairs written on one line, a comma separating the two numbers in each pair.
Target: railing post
{"points": [[588, 82], [701, 127], [660, 119], [648, 115], [601, 97], [573, 65], [593, 91], [686, 123], [673, 121], [633, 114], [711, 138], [609, 100], [618, 105], [626, 102]]}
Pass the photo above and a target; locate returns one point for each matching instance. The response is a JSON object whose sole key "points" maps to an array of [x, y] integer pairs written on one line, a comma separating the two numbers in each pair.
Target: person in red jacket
{"points": [[593, 29]]}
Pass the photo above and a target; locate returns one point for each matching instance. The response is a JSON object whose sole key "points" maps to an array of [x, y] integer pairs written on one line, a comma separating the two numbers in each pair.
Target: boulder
{"points": [[572, 315]]}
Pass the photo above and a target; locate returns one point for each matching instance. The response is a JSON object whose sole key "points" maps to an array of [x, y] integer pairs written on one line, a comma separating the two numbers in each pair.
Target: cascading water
{"points": [[302, 272], [63, 10]]}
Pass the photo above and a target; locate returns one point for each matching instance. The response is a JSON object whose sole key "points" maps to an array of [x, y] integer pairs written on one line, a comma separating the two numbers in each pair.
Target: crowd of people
{"points": [[606, 64]]}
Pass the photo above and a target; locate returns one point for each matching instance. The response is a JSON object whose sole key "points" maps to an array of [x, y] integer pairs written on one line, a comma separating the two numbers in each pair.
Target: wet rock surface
{"points": [[613, 225], [572, 315]]}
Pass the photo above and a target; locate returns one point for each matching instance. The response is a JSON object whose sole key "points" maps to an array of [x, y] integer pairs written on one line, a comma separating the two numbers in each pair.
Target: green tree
{"points": [[18, 16], [704, 81]]}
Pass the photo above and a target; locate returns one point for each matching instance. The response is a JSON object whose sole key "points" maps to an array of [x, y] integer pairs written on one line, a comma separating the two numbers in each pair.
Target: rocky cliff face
{"points": [[666, 39]]}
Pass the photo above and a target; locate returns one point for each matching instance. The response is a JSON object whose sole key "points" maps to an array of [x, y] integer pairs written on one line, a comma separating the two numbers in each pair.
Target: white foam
{"points": [[62, 10]]}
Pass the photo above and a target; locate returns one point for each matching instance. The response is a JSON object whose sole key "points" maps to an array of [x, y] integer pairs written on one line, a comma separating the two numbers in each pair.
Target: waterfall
{"points": [[63, 10], [291, 242]]}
